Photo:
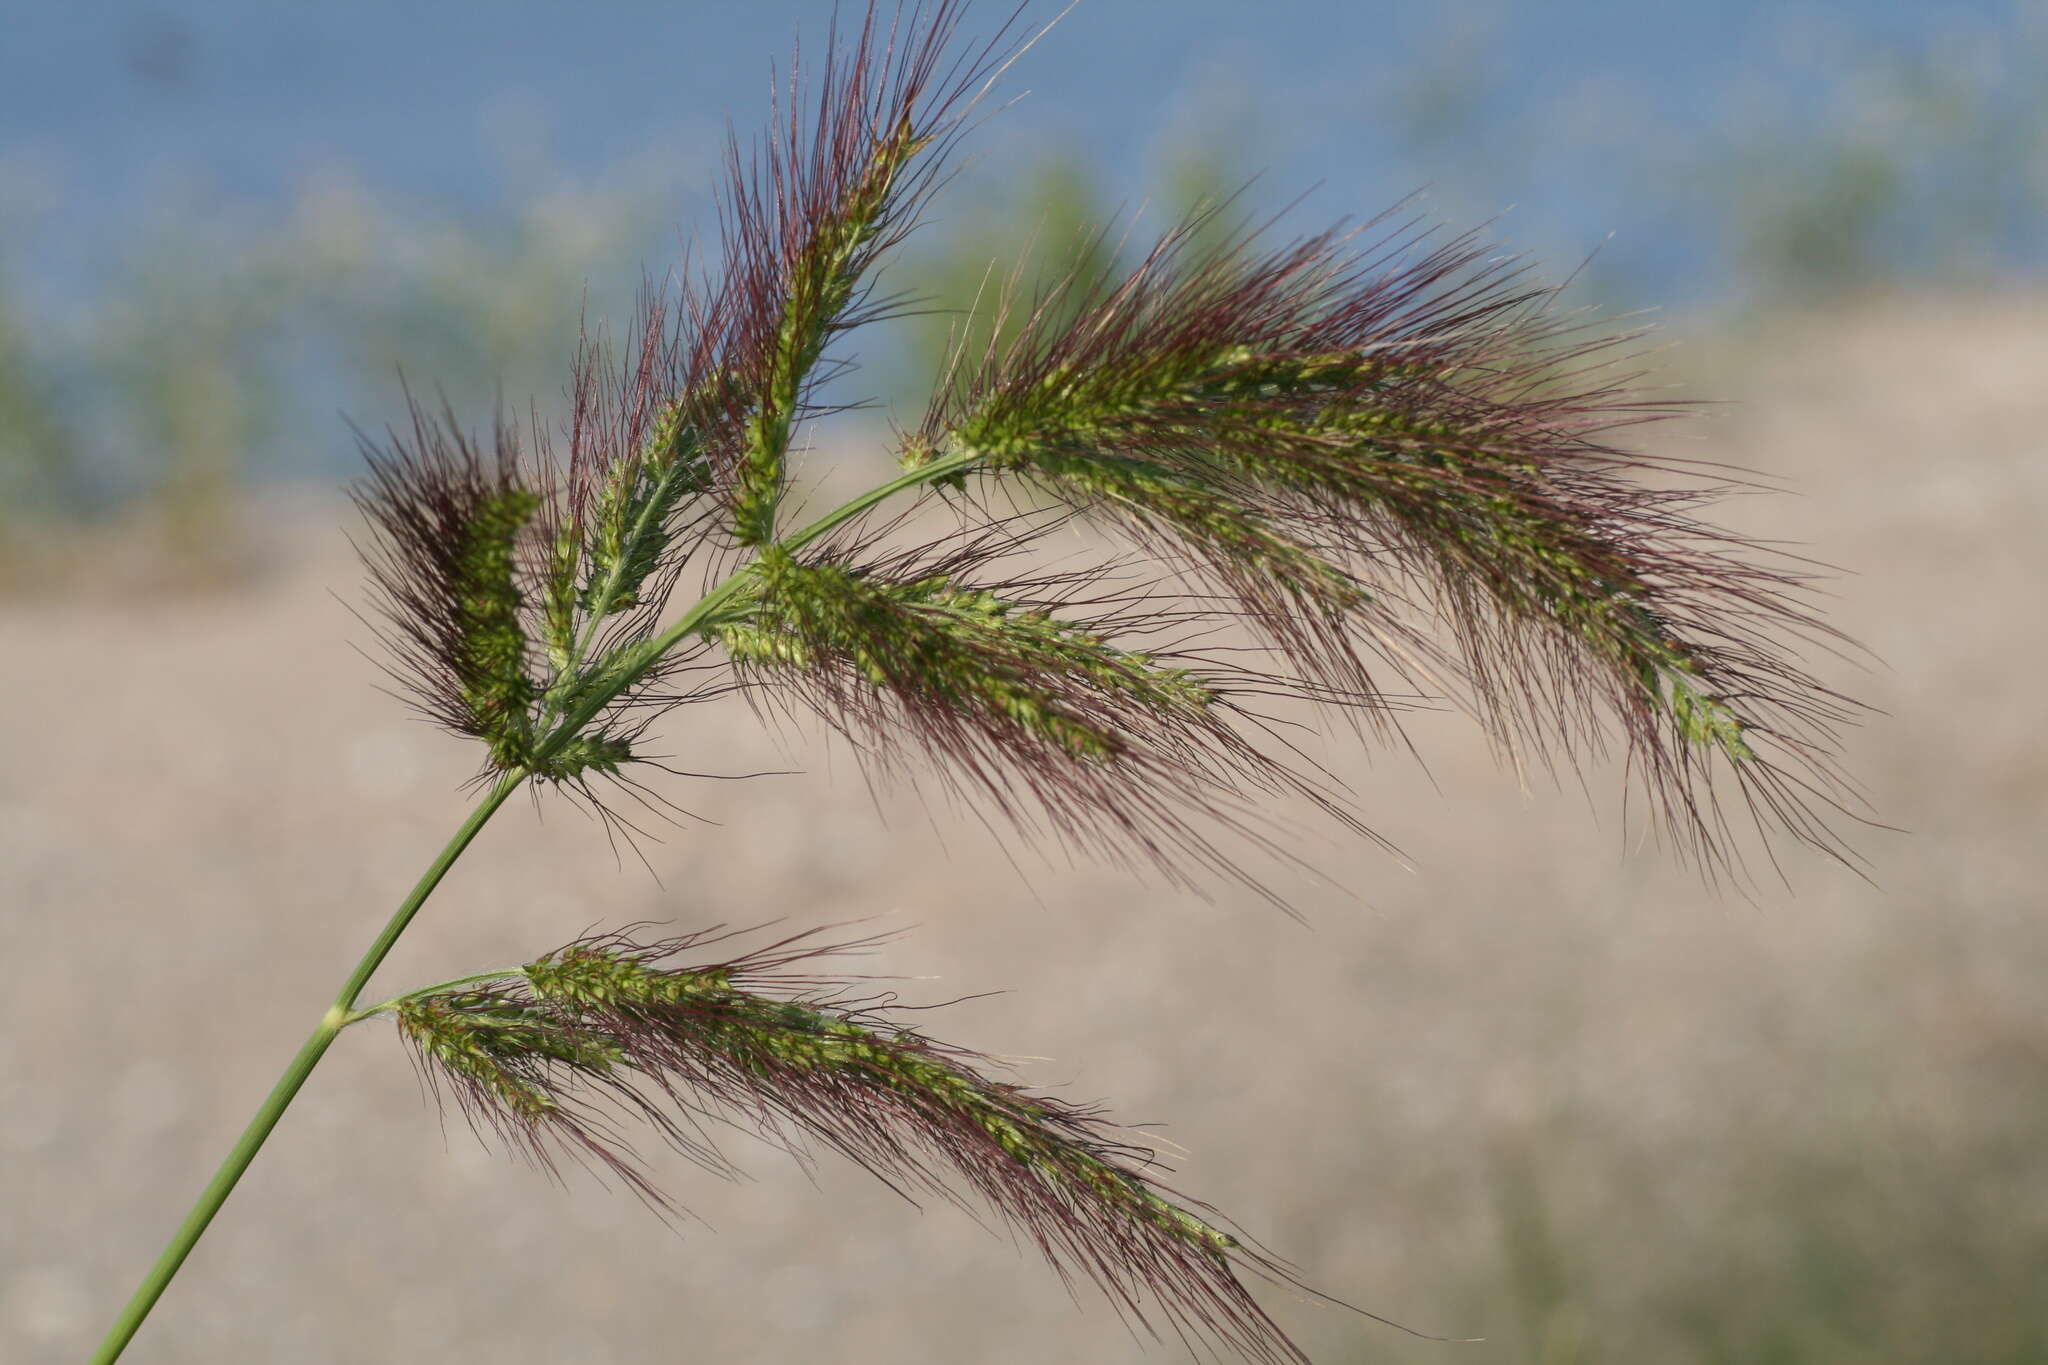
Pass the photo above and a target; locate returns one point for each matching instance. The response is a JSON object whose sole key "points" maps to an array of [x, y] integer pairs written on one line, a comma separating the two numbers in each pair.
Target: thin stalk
{"points": [[706, 607], [217, 1190], [280, 1097], [607, 592], [385, 1006], [600, 602], [344, 1012], [957, 463], [502, 789]]}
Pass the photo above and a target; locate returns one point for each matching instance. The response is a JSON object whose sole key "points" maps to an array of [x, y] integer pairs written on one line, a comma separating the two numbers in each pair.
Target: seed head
{"points": [[550, 1058], [445, 573], [1396, 460]]}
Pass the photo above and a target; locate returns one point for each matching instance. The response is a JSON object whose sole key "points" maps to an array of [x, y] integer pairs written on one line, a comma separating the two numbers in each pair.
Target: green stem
{"points": [[280, 1097], [217, 1190], [706, 608], [600, 601], [344, 1011], [502, 789], [384, 1006], [936, 470]]}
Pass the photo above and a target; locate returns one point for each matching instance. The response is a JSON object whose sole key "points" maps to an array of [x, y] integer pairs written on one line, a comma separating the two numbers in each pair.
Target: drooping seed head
{"points": [[446, 574], [1076, 703], [610, 1027], [1397, 460]]}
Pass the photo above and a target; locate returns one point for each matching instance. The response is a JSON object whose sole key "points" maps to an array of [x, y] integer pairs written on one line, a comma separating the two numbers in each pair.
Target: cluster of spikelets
{"points": [[1326, 473], [551, 1056], [1386, 465]]}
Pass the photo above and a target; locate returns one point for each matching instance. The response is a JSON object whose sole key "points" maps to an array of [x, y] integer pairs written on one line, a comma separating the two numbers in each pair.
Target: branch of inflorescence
{"points": [[345, 1011]]}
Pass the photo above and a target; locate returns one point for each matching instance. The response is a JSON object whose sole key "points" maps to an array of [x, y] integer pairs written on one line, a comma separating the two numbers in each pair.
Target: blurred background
{"points": [[1542, 1087]]}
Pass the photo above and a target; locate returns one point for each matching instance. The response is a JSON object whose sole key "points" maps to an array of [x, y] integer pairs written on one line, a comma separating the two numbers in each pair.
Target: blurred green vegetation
{"points": [[1845, 166], [1926, 165], [990, 272], [215, 355], [220, 355], [38, 458], [1050, 241], [1877, 1241]]}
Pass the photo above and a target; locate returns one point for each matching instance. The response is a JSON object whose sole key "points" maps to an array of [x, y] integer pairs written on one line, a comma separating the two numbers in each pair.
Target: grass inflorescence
{"points": [[1399, 460], [1394, 465], [1316, 477], [549, 1056], [1391, 468]]}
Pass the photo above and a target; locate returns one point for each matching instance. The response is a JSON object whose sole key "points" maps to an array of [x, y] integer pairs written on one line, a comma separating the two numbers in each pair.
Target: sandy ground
{"points": [[1543, 1089]]}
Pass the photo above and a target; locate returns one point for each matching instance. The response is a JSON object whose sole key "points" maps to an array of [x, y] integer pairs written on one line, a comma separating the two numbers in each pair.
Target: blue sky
{"points": [[106, 106]]}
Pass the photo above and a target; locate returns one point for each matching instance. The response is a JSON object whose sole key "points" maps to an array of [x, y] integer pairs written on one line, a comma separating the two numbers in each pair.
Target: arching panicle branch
{"points": [[698, 414], [838, 181], [1325, 434], [1077, 703], [549, 1058]]}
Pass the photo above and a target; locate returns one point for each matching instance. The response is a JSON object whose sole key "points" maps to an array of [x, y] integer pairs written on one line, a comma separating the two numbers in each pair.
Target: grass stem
{"points": [[280, 1097], [344, 1011], [217, 1190]]}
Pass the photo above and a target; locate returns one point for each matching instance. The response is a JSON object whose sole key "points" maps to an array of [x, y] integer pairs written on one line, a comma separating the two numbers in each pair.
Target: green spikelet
{"points": [[1310, 426], [586, 976], [495, 686], [631, 518], [1671, 681], [796, 1035], [825, 277], [1014, 667], [499, 1047], [1221, 530], [1539, 564], [764, 1037], [582, 754], [559, 605]]}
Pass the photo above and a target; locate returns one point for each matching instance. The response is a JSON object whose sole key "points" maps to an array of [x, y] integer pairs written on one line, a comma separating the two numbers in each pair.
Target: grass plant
{"points": [[1329, 473]]}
